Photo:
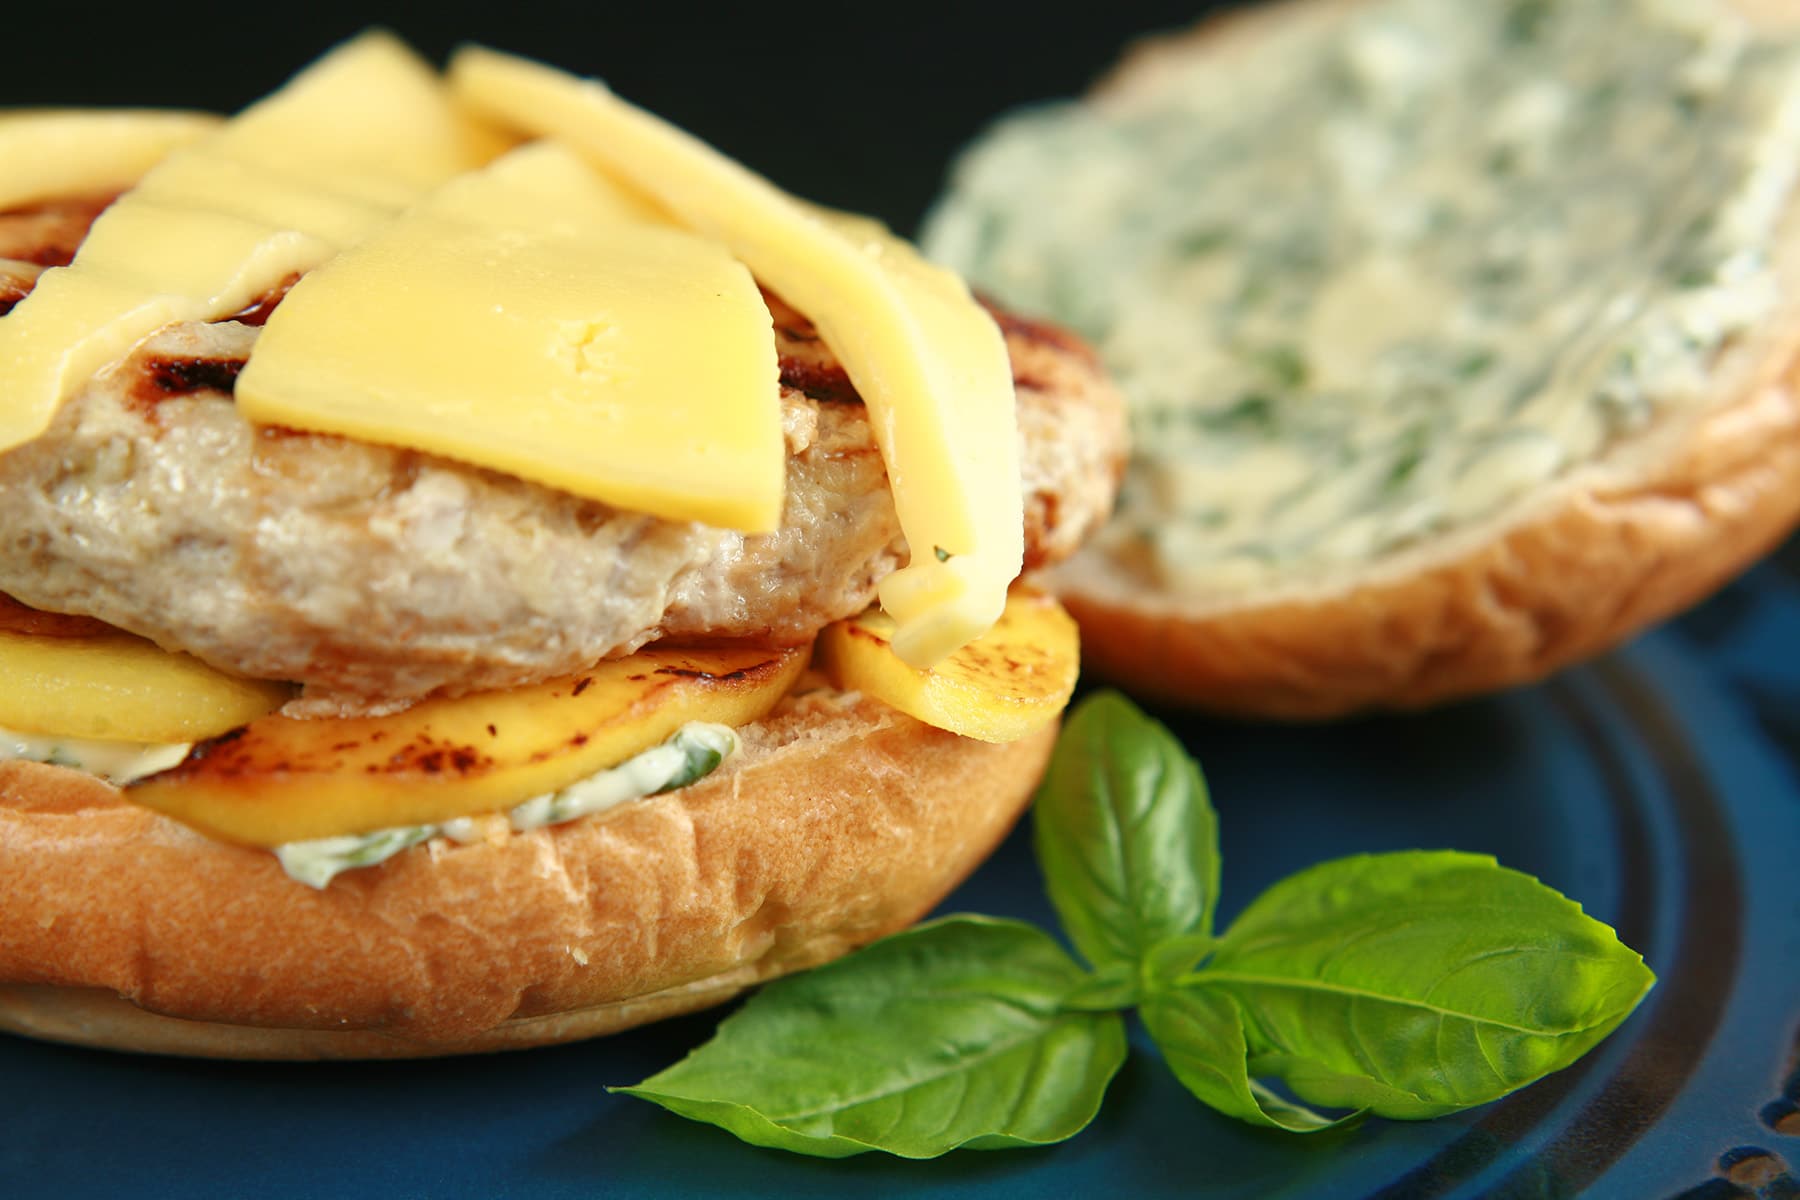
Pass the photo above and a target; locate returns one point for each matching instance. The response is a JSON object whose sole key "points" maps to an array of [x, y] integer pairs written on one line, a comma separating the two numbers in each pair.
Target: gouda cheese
{"points": [[211, 228], [535, 319], [929, 362]]}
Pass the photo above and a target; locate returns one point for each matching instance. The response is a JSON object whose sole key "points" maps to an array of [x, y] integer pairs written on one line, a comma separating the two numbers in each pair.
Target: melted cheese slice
{"points": [[928, 361], [273, 193], [536, 319], [49, 154]]}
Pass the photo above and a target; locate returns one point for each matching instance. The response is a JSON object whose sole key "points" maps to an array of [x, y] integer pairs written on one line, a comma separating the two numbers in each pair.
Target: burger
{"points": [[481, 570]]}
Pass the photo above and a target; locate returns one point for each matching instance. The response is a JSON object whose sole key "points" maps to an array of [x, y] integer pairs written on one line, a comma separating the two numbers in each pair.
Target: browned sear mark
{"points": [[807, 363], [210, 748], [231, 756], [12, 290], [808, 366], [180, 376], [49, 233], [827, 383], [730, 676], [258, 312], [163, 377], [1042, 333], [459, 760], [1046, 508]]}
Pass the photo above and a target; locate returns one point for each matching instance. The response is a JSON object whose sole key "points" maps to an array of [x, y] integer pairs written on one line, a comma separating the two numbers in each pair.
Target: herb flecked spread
{"points": [[1373, 281]]}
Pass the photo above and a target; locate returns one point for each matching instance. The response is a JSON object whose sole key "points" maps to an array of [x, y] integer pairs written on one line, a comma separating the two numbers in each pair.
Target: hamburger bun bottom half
{"points": [[840, 820]]}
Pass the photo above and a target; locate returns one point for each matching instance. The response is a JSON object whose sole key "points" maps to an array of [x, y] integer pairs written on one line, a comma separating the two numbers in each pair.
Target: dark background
{"points": [[862, 107], [855, 105]]}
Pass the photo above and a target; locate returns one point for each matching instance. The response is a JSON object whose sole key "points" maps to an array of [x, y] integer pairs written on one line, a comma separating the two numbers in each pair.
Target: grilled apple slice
{"points": [[1000, 687], [279, 779], [115, 687]]}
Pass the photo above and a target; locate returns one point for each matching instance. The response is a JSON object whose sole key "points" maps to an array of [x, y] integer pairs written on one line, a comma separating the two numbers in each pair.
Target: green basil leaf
{"points": [[1128, 844], [1420, 983], [951, 1034], [1167, 961], [1201, 1035], [1106, 991]]}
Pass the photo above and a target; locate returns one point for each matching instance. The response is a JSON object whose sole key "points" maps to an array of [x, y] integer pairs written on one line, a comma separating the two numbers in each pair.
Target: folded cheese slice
{"points": [[534, 318], [49, 154], [215, 225], [928, 361]]}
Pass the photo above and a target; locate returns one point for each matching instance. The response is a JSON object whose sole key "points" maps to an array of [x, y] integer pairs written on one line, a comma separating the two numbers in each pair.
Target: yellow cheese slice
{"points": [[533, 318], [274, 192], [46, 154], [929, 362]]}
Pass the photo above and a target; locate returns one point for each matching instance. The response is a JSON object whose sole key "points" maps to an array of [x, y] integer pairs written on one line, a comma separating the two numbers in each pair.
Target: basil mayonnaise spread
{"points": [[1368, 280], [115, 762], [694, 752]]}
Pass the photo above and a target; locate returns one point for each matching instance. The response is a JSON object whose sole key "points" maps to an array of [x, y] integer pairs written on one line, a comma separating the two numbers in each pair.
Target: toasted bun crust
{"points": [[841, 821], [1656, 524]]}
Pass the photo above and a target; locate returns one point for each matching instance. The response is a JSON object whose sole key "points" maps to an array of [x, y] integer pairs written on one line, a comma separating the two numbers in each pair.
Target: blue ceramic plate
{"points": [[1660, 787]]}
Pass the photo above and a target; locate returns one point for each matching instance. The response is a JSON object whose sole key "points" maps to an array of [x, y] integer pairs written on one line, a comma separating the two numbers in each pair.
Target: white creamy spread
{"points": [[695, 751], [1368, 284], [115, 762]]}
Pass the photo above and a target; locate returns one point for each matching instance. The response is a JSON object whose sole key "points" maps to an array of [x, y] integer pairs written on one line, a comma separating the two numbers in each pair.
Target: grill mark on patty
{"points": [[48, 234], [182, 376], [1046, 507], [826, 383], [809, 367], [164, 377], [12, 290], [1038, 333], [159, 377], [807, 364], [259, 311]]}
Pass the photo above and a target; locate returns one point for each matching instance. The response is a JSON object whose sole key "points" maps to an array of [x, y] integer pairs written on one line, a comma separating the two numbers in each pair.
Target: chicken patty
{"points": [[374, 575]]}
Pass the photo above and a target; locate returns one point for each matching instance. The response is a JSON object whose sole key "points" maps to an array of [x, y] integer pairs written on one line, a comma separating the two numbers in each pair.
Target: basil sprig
{"points": [[1404, 985], [955, 1033]]}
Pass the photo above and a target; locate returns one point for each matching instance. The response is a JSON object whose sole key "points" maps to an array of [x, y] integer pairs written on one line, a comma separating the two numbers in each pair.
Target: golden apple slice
{"points": [[279, 779], [116, 687], [1012, 680]]}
